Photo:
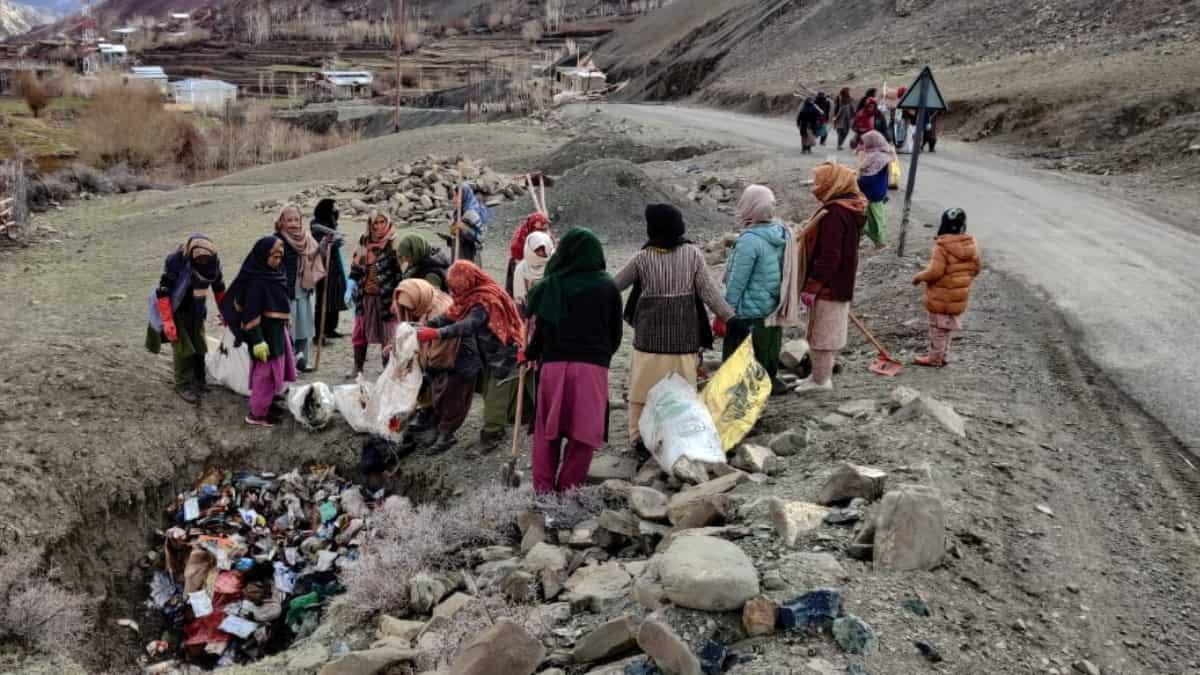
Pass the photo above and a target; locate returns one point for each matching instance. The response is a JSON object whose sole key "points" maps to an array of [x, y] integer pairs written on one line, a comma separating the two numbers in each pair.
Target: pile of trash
{"points": [[247, 563], [421, 191]]}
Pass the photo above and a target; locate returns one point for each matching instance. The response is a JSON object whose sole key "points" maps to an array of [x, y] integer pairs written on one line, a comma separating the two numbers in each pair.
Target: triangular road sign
{"points": [[923, 93]]}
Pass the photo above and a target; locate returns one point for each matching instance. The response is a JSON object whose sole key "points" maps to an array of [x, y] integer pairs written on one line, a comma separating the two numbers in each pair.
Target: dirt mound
{"points": [[606, 146], [609, 196]]}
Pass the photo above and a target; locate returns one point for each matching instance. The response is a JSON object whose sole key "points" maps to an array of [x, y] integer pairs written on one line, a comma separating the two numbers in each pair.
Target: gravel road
{"points": [[1125, 280]]}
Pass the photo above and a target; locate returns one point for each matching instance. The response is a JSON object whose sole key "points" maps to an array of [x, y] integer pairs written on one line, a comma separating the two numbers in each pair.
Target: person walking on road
{"points": [[671, 288], [754, 273], [829, 262], [178, 308], [953, 265], [808, 120], [843, 115], [826, 107], [257, 308], [575, 313], [304, 267], [331, 291], [875, 164], [375, 270], [870, 118]]}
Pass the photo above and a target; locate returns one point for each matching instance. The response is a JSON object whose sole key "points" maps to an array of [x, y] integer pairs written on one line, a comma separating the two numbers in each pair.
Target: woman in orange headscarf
{"points": [[829, 266], [483, 315]]}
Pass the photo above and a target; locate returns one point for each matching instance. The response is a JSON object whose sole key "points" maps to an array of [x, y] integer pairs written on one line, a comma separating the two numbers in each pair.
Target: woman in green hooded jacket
{"points": [[421, 260]]}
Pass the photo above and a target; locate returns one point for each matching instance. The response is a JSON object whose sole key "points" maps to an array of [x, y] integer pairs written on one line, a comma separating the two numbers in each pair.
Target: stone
{"points": [[495, 553], [426, 590], [932, 654], [533, 535], [789, 443], [605, 467], [791, 519], [903, 396], [648, 503], [607, 641], [792, 353], [712, 510], [650, 595], [707, 574], [545, 557], [1086, 667], [506, 648], [370, 661], [620, 522], [670, 653], [813, 569], [910, 529], [648, 475], [756, 459], [759, 616], [856, 408], [390, 626], [450, 606], [917, 606], [944, 414], [773, 581], [700, 492], [600, 585], [519, 586], [689, 472], [616, 489], [854, 635], [833, 420], [850, 481], [812, 611]]}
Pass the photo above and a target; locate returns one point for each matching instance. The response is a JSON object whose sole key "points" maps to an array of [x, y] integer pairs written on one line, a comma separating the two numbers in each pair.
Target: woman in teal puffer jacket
{"points": [[753, 275]]}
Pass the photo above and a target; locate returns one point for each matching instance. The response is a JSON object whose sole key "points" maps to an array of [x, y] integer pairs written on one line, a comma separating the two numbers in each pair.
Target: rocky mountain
{"points": [[16, 18]]}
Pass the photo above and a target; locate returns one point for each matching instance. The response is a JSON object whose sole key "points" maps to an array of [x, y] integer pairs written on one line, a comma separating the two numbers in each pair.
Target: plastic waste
{"points": [[227, 364], [312, 405], [383, 407], [737, 395], [675, 423]]}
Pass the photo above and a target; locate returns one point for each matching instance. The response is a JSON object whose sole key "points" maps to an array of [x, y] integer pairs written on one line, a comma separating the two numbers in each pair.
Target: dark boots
{"points": [[360, 361], [444, 442]]}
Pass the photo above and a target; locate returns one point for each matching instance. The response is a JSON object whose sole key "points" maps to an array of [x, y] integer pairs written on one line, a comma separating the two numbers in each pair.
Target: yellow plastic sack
{"points": [[737, 395], [894, 175]]}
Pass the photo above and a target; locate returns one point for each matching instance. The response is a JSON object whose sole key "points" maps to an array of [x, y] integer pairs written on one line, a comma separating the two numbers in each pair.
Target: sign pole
{"points": [[918, 142]]}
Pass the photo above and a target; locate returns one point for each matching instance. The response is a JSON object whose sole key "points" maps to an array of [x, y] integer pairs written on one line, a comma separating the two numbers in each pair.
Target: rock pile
{"points": [[412, 192]]}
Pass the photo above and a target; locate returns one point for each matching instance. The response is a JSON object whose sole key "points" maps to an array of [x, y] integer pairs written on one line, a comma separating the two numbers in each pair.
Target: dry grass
{"points": [[159, 138], [38, 613]]}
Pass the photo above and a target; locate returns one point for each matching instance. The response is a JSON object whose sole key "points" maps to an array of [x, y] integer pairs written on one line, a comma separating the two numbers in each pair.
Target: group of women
{"points": [[562, 319]]}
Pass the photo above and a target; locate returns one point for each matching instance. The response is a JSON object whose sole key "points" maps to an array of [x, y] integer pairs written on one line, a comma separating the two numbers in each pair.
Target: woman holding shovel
{"points": [[576, 315], [829, 267], [376, 271]]}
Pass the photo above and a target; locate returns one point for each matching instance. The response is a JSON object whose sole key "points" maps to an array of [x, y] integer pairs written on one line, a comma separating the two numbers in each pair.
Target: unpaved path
{"points": [[1124, 278]]}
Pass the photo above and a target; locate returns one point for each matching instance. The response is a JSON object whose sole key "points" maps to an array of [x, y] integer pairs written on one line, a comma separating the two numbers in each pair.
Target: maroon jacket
{"points": [[835, 260]]}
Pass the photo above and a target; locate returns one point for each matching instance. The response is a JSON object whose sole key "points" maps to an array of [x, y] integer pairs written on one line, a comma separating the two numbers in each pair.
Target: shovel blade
{"points": [[886, 368]]}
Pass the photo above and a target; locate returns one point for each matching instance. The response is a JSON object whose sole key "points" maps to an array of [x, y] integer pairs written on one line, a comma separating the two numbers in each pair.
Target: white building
{"points": [[343, 84], [153, 74], [204, 95]]}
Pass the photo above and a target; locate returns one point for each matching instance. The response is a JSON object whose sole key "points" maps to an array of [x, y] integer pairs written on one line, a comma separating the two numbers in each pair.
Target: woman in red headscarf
{"points": [[537, 222], [484, 314]]}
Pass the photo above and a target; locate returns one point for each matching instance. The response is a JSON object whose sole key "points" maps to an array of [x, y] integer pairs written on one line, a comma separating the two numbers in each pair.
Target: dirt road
{"points": [[1124, 278]]}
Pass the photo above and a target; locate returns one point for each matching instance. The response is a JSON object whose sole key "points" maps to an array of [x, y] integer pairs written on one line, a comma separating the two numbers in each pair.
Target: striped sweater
{"points": [[667, 320]]}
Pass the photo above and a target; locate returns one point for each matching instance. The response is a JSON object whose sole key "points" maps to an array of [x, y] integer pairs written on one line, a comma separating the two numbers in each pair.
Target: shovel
{"points": [[509, 475], [884, 365]]}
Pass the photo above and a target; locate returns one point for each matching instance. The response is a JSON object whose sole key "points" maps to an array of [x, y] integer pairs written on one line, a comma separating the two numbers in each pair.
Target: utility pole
{"points": [[399, 40]]}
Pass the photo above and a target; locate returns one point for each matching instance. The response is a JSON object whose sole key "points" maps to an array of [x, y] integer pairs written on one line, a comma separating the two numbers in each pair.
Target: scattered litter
{"points": [[312, 405], [675, 424], [1044, 510], [130, 624]]}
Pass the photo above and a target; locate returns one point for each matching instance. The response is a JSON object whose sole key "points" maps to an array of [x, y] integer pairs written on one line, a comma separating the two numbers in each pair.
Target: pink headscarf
{"points": [[757, 205], [312, 268], [877, 153]]}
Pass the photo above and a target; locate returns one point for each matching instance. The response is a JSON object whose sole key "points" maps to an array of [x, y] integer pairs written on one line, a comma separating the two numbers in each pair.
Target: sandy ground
{"points": [[93, 441]]}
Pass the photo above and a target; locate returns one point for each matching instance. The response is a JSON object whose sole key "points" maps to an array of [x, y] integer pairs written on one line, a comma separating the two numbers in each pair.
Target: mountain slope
{"points": [[16, 18]]}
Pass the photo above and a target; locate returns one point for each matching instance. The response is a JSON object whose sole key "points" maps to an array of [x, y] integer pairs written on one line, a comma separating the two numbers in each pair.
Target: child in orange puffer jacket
{"points": [[953, 265]]}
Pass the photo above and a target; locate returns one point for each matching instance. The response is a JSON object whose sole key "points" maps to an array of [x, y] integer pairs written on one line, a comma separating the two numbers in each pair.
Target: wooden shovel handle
{"points": [[517, 423], [866, 333]]}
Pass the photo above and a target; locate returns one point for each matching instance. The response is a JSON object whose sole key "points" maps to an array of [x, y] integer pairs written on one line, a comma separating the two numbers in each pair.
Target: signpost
{"points": [[925, 97]]}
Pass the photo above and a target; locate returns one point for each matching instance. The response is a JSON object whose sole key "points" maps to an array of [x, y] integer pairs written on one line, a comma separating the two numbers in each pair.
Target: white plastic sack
{"points": [[228, 365], [384, 406], [675, 423], [312, 405]]}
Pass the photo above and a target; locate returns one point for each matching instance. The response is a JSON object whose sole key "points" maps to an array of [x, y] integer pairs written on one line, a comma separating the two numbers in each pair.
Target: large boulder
{"points": [[910, 529], [707, 574], [506, 648], [601, 586]]}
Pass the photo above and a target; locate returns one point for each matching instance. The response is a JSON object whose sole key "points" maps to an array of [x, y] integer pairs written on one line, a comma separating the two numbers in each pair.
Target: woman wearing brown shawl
{"points": [[376, 271], [446, 397], [304, 267], [829, 266]]}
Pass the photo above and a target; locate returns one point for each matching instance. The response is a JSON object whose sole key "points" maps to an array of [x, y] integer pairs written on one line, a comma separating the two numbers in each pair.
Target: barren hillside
{"points": [[1072, 77]]}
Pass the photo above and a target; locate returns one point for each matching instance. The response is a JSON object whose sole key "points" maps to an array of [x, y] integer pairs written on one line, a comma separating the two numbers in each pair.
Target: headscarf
{"points": [[368, 246], [900, 92], [534, 223], [954, 221], [312, 268], [868, 95], [757, 205], [471, 286], [877, 153], [664, 227], [832, 184], [427, 302], [809, 107], [535, 265], [258, 291], [326, 213], [577, 266], [844, 97], [414, 247], [200, 246]]}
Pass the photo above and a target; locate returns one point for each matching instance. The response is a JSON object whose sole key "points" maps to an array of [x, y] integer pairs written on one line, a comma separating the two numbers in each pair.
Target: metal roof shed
{"points": [[204, 95]]}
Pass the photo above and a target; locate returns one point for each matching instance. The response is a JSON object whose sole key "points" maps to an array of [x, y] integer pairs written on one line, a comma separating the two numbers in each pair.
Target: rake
{"points": [[884, 364]]}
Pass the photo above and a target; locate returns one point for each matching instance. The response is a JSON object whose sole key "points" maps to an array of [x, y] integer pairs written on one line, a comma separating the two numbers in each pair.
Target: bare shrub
{"points": [[568, 509], [34, 92], [127, 123], [39, 613], [86, 179]]}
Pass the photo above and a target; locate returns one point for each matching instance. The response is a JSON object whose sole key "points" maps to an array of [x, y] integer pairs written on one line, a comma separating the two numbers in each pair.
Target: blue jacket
{"points": [[755, 270], [875, 187]]}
